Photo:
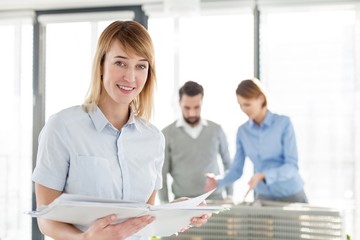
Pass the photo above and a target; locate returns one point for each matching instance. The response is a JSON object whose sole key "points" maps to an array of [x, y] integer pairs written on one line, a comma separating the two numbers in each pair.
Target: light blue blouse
{"points": [[272, 149], [82, 153]]}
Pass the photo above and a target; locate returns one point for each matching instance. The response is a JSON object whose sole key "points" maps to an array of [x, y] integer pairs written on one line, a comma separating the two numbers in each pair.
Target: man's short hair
{"points": [[191, 88]]}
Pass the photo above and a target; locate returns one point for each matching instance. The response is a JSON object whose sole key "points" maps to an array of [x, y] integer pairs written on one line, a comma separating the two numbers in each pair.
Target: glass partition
{"points": [[201, 49], [15, 130], [308, 64], [69, 53]]}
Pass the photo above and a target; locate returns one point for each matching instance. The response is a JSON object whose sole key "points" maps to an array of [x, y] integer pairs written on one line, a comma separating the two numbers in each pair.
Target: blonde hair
{"points": [[135, 39], [251, 88]]}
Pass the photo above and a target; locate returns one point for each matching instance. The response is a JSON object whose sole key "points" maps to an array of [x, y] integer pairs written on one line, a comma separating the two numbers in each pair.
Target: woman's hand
{"points": [[211, 182], [199, 221], [195, 221], [258, 177], [107, 229]]}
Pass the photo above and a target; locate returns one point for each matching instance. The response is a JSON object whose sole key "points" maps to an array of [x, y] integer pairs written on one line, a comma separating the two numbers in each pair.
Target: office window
{"points": [[202, 49], [68, 64], [69, 54], [70, 41], [15, 129], [308, 67]]}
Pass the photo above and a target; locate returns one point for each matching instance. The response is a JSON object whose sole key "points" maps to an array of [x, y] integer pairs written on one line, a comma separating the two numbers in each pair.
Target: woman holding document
{"points": [[106, 147], [268, 140]]}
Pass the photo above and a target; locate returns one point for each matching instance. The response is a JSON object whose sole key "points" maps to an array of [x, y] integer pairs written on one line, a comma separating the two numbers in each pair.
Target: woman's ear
{"points": [[262, 99]]}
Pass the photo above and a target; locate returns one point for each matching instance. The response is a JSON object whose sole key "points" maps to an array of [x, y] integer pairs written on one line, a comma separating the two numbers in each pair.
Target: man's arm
{"points": [[226, 160]]}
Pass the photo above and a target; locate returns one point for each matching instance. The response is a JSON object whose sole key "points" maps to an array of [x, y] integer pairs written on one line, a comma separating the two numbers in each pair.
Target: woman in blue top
{"points": [[106, 147], [268, 140]]}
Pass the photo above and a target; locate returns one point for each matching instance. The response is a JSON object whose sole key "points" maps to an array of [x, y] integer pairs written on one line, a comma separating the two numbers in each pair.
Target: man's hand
{"points": [[211, 182]]}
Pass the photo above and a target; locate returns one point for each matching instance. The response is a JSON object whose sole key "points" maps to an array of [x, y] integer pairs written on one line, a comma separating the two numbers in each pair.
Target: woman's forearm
{"points": [[59, 230]]}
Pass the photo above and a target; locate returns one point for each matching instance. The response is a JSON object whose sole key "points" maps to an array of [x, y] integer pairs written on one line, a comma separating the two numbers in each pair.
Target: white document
{"points": [[84, 210]]}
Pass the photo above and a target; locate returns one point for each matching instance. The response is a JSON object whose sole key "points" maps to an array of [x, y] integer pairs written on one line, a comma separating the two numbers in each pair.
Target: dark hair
{"points": [[251, 88], [191, 89]]}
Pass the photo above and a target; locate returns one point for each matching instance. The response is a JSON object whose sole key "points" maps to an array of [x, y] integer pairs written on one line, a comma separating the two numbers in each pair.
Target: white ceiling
{"points": [[6, 5]]}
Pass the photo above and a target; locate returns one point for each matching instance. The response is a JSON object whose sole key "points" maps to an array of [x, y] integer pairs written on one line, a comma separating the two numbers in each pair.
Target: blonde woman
{"points": [[106, 147]]}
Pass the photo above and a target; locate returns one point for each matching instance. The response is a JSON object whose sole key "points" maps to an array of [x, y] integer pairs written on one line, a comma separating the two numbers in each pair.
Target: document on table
{"points": [[84, 210]]}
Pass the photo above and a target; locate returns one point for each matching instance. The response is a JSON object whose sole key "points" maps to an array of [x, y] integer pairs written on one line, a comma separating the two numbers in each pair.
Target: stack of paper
{"points": [[84, 210]]}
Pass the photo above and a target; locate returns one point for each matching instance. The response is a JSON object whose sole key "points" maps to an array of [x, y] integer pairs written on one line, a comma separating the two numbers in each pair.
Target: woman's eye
{"points": [[119, 63], [143, 66]]}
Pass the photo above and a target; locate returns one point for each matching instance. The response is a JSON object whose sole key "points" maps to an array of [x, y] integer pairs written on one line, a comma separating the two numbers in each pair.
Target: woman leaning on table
{"points": [[268, 139], [106, 147]]}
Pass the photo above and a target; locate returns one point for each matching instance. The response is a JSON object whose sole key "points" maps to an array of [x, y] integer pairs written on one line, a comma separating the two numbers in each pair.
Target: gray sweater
{"points": [[188, 159]]}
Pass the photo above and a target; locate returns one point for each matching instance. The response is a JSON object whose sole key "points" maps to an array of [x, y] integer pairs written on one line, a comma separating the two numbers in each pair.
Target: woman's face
{"points": [[124, 75], [252, 107]]}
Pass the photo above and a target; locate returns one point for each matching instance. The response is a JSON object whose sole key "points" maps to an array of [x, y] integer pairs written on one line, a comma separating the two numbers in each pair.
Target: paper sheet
{"points": [[84, 210]]}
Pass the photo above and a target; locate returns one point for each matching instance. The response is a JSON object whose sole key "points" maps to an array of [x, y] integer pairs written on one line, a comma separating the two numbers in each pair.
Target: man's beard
{"points": [[192, 120]]}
